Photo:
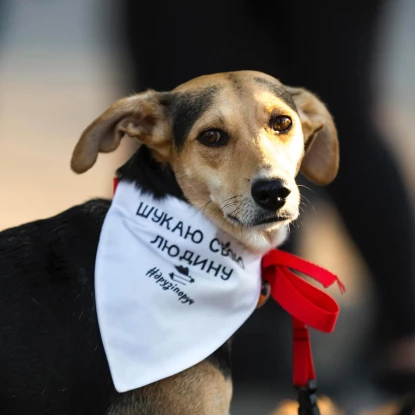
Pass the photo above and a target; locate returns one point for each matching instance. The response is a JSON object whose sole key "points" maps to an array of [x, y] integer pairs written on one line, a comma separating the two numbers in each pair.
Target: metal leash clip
{"points": [[307, 399]]}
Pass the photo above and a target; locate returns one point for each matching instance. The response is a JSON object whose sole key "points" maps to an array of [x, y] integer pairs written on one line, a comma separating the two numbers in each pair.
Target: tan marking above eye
{"points": [[281, 123]]}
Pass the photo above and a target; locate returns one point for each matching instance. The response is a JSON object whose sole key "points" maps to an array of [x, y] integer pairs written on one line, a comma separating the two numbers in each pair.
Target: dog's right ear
{"points": [[321, 160], [141, 116]]}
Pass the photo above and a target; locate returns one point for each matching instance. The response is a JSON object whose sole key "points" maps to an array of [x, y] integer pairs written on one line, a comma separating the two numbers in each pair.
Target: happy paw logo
{"points": [[182, 276]]}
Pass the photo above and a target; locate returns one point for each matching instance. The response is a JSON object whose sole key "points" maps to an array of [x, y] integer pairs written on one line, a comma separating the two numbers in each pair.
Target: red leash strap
{"points": [[308, 305]]}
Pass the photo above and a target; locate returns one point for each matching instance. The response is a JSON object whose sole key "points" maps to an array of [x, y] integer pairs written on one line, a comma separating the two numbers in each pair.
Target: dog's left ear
{"points": [[142, 117], [321, 160]]}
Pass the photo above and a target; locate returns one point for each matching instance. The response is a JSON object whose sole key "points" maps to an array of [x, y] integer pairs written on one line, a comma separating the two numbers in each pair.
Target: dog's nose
{"points": [[270, 194]]}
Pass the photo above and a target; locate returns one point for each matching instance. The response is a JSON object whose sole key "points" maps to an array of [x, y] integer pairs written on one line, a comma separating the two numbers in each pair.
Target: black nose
{"points": [[270, 194]]}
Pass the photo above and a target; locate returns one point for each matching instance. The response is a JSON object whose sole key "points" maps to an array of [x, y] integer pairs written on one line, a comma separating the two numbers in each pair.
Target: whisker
{"points": [[306, 187], [228, 199], [307, 199]]}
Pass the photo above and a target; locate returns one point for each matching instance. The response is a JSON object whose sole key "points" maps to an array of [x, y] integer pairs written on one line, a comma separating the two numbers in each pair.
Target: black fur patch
{"points": [[51, 356], [277, 90], [186, 108], [150, 176]]}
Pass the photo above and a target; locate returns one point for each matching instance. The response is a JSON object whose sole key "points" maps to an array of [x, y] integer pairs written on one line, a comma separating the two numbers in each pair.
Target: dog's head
{"points": [[234, 143]]}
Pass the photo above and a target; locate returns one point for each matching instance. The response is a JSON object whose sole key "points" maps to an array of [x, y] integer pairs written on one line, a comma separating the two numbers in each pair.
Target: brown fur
{"points": [[200, 390]]}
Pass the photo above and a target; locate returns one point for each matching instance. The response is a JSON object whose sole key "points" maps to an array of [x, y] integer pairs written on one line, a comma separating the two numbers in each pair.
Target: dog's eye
{"points": [[213, 138], [281, 123]]}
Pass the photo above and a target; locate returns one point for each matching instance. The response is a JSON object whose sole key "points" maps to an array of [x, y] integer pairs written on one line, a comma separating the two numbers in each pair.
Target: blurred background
{"points": [[62, 63]]}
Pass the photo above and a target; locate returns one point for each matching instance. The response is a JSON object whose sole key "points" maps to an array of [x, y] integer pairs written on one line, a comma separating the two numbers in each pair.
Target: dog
{"points": [[230, 145]]}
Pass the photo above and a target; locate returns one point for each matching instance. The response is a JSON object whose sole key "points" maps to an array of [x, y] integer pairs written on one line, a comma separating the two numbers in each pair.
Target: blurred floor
{"points": [[57, 74]]}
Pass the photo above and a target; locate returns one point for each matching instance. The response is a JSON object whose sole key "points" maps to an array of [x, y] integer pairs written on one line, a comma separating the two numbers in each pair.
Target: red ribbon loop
{"points": [[308, 305]]}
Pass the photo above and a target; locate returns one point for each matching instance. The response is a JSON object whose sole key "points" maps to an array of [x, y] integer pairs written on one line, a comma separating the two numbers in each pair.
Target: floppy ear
{"points": [[321, 160], [140, 116]]}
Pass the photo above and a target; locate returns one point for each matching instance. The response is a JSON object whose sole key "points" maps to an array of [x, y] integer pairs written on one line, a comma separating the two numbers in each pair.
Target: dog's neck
{"points": [[158, 179], [151, 176]]}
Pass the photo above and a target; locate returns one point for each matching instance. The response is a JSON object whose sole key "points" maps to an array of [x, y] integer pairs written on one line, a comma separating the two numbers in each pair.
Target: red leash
{"points": [[308, 306]]}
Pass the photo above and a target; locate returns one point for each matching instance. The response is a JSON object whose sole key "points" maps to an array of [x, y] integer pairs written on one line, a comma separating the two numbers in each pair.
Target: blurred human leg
{"points": [[369, 191]]}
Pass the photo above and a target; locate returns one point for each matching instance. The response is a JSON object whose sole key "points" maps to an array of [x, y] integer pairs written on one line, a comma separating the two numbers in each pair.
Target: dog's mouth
{"points": [[261, 221]]}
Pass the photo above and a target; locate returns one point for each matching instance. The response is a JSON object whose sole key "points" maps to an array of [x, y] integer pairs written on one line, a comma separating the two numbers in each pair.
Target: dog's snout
{"points": [[270, 194]]}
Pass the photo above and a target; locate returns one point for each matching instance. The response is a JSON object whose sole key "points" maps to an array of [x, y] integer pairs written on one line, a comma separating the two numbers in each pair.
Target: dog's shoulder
{"points": [[90, 214], [48, 313], [67, 236]]}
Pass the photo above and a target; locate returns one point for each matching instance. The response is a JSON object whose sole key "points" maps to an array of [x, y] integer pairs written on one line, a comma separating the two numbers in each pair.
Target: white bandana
{"points": [[170, 287]]}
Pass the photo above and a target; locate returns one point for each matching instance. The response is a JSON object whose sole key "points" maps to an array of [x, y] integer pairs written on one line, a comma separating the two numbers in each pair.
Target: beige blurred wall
{"points": [[56, 76]]}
